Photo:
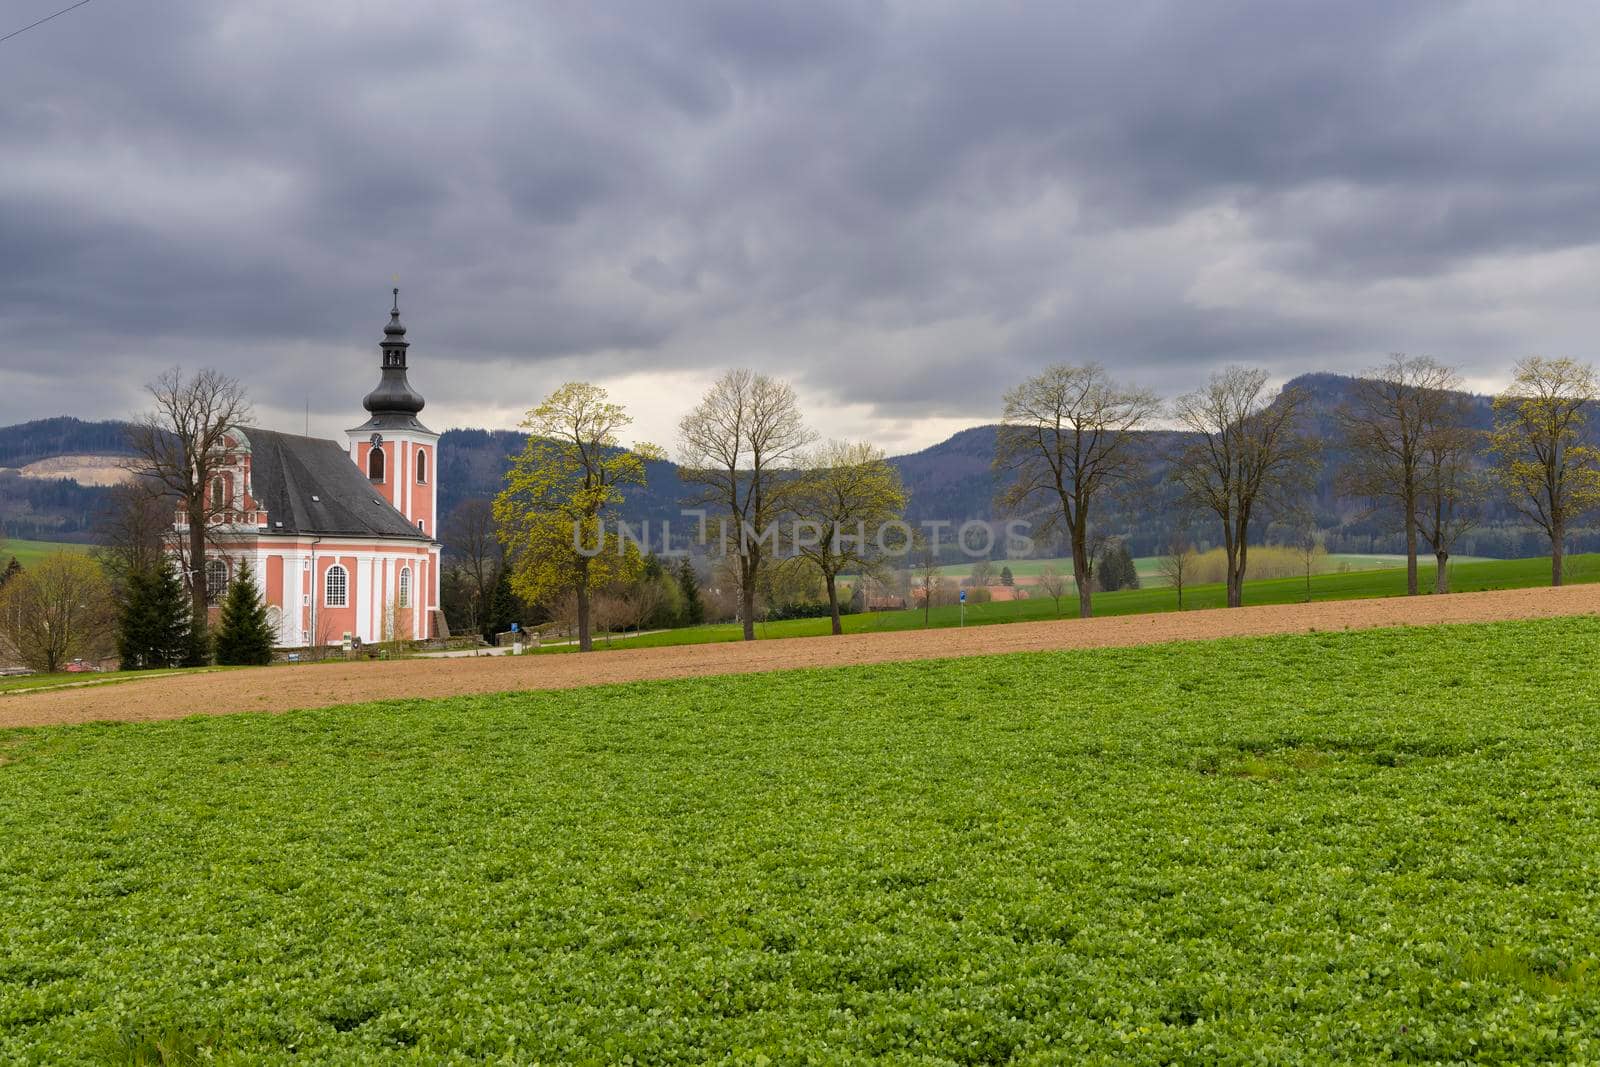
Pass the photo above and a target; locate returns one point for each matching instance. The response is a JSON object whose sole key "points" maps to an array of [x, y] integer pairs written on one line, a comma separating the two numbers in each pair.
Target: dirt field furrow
{"points": [[312, 686]]}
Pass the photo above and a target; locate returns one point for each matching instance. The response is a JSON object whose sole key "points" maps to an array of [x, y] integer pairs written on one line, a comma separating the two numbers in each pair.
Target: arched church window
{"points": [[404, 598], [216, 580], [219, 493], [375, 465], [422, 467], [336, 593]]}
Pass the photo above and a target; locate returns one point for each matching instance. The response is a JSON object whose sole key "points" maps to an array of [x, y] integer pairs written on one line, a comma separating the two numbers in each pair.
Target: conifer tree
{"points": [[153, 627], [198, 653], [244, 636], [1006, 577], [503, 607], [1130, 573], [694, 612], [12, 570]]}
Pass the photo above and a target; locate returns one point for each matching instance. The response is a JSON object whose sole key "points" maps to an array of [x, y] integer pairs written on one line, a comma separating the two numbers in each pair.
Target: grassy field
{"points": [[1147, 565], [1354, 585], [30, 552], [1330, 847]]}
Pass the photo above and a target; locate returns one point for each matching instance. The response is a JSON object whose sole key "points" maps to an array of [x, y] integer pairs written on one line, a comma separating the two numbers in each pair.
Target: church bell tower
{"points": [[393, 448]]}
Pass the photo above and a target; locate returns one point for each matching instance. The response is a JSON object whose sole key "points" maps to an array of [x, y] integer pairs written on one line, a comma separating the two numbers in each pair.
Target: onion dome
{"points": [[393, 399]]}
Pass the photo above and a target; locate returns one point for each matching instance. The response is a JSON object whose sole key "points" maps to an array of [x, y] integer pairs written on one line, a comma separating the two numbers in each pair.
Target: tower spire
{"points": [[394, 401]]}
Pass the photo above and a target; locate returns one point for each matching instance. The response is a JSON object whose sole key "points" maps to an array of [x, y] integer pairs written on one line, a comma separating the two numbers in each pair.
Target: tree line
{"points": [[1072, 441]]}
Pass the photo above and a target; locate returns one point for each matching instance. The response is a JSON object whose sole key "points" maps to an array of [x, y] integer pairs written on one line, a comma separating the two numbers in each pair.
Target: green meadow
{"points": [[1149, 566], [1315, 848], [30, 552], [1351, 585]]}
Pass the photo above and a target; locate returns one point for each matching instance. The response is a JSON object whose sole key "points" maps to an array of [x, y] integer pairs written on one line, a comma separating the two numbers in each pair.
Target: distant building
{"points": [[341, 538]]}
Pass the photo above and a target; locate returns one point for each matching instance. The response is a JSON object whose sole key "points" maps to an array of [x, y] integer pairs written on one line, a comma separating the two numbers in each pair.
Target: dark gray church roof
{"points": [[312, 486]]}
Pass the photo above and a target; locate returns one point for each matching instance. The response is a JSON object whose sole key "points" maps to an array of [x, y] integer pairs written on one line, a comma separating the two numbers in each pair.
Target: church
{"points": [[341, 538]]}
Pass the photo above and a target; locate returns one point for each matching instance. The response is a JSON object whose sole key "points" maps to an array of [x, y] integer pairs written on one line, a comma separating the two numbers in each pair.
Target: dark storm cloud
{"points": [[901, 206]]}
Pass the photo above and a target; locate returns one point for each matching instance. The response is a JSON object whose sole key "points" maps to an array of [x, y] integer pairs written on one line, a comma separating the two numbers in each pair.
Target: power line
{"points": [[42, 21]]}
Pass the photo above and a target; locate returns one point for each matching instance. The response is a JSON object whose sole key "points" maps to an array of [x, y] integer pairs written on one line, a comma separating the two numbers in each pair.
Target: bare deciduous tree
{"points": [[1453, 489], [57, 610], [1552, 475], [474, 546], [1053, 584], [1176, 562], [643, 599], [179, 446], [1395, 411], [1067, 439], [1312, 549], [738, 446], [132, 529], [610, 609], [1247, 454], [926, 575]]}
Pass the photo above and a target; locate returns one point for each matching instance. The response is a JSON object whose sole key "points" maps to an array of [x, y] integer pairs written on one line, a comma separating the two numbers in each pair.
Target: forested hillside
{"points": [[63, 435], [55, 509]]}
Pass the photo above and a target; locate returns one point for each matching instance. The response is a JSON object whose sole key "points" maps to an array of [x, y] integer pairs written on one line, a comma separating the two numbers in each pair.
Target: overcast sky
{"points": [[902, 208]]}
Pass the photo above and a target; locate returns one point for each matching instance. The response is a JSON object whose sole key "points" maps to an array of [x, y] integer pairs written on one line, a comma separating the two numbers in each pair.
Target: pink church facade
{"points": [[341, 538]]}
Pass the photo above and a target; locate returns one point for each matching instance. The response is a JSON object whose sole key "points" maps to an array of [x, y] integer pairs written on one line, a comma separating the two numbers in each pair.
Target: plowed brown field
{"points": [[324, 685]]}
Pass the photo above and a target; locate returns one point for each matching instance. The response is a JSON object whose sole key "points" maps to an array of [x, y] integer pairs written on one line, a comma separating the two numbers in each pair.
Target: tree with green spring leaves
{"points": [[559, 495], [1552, 476]]}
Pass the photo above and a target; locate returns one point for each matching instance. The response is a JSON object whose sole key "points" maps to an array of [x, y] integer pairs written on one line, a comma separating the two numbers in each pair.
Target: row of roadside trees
{"points": [[1073, 439]]}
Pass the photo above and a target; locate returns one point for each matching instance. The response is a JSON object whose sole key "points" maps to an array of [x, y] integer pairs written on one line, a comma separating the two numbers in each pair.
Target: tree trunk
{"points": [[1558, 552], [1236, 565], [1441, 574], [747, 598], [585, 638], [1410, 560], [1411, 547], [833, 605], [1080, 573], [197, 570]]}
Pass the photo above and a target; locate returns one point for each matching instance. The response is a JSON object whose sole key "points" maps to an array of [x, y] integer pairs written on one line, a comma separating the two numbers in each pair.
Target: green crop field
{"points": [[1317, 848], [1353, 585], [30, 552]]}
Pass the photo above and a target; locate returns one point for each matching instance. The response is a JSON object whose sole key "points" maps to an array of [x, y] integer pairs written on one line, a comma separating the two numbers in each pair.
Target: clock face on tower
{"points": [[377, 440]]}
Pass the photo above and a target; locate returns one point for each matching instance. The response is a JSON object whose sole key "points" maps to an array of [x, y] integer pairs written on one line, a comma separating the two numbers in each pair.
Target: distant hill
{"points": [[53, 508], [30, 442], [951, 481]]}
